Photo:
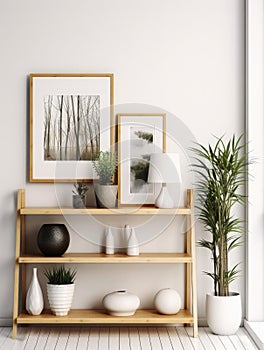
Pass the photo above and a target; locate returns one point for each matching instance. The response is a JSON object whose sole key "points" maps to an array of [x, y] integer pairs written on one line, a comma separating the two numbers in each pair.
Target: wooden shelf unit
{"points": [[186, 316], [100, 316], [104, 211], [97, 258]]}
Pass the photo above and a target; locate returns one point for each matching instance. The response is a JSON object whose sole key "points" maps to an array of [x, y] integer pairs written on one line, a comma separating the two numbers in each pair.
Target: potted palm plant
{"points": [[60, 289], [221, 171], [105, 166]]}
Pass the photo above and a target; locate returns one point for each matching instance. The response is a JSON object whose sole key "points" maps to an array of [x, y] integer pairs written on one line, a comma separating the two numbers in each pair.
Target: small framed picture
{"points": [[139, 135], [71, 120]]}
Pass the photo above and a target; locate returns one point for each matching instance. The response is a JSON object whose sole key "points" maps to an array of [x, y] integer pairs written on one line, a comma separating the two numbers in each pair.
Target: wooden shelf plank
{"points": [[105, 259], [100, 316], [104, 211]]}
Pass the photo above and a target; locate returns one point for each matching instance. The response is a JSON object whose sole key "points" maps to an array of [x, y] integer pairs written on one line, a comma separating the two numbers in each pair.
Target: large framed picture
{"points": [[139, 135], [71, 120]]}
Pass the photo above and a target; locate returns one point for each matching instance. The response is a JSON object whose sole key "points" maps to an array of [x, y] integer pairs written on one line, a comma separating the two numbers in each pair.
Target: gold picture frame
{"points": [[76, 112]]}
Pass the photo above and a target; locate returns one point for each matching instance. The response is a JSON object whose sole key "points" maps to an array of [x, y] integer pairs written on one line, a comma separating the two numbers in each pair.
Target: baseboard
{"points": [[202, 322], [6, 322], [256, 331]]}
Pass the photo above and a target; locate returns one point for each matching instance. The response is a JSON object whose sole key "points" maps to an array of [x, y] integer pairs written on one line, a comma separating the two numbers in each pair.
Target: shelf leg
{"points": [[190, 200], [20, 201], [188, 251], [14, 329], [188, 289]]}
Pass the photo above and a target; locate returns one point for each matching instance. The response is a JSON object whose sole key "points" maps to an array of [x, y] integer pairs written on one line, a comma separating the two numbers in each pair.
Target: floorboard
{"points": [[121, 338]]}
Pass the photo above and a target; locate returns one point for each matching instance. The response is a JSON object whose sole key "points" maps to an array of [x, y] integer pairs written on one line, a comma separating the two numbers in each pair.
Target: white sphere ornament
{"points": [[167, 301]]}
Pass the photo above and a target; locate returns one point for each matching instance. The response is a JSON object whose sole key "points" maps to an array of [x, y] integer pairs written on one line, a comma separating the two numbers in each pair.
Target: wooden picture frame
{"points": [[138, 136], [71, 120]]}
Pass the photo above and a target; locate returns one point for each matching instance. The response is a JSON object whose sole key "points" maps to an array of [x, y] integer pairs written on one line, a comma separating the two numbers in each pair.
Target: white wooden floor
{"points": [[120, 338]]}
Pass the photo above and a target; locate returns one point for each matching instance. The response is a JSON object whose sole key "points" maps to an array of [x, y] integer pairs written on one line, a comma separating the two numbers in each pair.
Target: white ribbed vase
{"points": [[34, 299], [60, 298]]}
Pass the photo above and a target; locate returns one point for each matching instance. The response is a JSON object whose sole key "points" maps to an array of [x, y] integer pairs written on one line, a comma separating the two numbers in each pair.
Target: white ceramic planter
{"points": [[106, 195], [121, 303], [167, 301], [224, 314], [60, 298]]}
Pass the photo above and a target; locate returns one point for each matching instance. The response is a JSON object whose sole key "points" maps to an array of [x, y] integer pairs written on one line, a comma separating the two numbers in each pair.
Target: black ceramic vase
{"points": [[53, 239]]}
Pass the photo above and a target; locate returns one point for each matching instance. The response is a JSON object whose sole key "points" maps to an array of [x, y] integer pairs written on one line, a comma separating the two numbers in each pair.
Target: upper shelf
{"points": [[104, 211], [103, 258]]}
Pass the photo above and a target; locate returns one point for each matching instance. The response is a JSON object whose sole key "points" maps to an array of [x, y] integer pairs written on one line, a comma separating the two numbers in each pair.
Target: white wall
{"points": [[185, 57], [255, 127]]}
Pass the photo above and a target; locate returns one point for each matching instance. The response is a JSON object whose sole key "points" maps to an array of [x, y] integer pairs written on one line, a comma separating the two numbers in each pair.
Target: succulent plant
{"points": [[80, 189], [60, 275]]}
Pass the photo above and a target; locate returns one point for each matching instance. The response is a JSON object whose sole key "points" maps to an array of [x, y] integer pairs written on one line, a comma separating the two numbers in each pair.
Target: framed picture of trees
{"points": [[71, 121], [139, 135]]}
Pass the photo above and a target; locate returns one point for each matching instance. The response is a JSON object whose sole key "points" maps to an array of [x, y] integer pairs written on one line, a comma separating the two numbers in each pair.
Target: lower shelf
{"points": [[99, 316]]}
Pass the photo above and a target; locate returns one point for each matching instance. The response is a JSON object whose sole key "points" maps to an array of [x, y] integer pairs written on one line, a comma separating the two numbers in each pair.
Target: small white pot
{"points": [[106, 195], [121, 303], [60, 298], [223, 314]]}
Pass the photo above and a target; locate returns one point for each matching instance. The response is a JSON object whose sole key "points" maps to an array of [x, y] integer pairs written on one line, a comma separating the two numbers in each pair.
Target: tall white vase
{"points": [[34, 299], [127, 232], [109, 242], [132, 244]]}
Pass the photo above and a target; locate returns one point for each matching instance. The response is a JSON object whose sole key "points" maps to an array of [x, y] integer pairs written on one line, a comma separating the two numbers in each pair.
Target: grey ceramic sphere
{"points": [[53, 239]]}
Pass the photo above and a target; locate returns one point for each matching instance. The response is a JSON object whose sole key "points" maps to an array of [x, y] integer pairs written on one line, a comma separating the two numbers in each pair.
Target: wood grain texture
{"points": [[103, 211], [150, 317], [190, 193], [100, 316], [20, 201], [97, 258]]}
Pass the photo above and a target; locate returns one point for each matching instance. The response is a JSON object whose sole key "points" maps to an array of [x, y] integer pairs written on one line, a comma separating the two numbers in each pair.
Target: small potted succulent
{"points": [[79, 194], [105, 166], [60, 289]]}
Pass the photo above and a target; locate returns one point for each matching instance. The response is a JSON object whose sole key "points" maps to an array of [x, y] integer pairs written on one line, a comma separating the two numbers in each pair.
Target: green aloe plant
{"points": [[60, 275], [221, 171]]}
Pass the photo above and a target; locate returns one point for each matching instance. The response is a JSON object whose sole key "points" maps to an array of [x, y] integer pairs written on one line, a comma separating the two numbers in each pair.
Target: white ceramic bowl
{"points": [[121, 303]]}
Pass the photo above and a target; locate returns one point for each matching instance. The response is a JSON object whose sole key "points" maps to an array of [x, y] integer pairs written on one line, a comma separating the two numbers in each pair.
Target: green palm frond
{"points": [[221, 171]]}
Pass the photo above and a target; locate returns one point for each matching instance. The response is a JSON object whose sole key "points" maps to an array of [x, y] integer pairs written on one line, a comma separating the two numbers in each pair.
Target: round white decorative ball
{"points": [[167, 301]]}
